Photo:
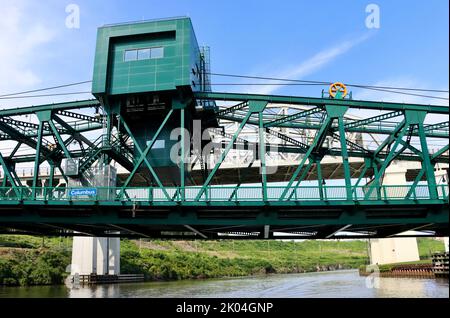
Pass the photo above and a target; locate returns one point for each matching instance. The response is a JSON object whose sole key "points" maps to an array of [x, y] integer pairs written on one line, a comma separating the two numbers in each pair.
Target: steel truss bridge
{"points": [[233, 192]]}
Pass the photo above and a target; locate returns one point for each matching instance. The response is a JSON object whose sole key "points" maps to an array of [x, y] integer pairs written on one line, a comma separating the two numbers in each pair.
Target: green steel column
{"points": [[429, 168], [51, 175], [367, 164], [60, 141], [387, 161], [49, 189], [344, 154], [262, 155], [183, 151], [37, 158], [319, 178]]}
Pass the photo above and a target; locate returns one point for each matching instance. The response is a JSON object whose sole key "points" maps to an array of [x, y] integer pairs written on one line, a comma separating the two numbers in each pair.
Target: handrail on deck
{"points": [[223, 193]]}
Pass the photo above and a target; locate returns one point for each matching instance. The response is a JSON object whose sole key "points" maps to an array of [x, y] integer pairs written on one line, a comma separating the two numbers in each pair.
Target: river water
{"points": [[338, 284]]}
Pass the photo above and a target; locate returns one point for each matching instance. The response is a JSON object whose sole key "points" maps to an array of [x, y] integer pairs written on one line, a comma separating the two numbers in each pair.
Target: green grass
{"points": [[428, 247], [204, 259], [28, 260]]}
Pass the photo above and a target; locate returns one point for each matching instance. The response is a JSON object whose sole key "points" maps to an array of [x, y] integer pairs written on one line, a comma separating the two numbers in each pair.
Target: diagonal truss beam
{"points": [[288, 139], [80, 116], [76, 135], [20, 137], [374, 119], [143, 157], [222, 157], [319, 136], [49, 107], [232, 109], [293, 117], [440, 152], [9, 175]]}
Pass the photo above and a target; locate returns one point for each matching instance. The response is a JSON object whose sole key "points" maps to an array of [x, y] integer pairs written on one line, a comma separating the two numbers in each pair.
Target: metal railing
{"points": [[228, 194]]}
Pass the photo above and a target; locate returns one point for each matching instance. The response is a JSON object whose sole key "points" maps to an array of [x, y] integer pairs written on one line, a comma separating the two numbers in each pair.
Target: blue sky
{"points": [[313, 40]]}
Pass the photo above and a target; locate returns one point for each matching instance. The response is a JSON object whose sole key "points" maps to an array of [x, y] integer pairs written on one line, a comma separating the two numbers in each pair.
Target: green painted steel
{"points": [[150, 78], [276, 99], [52, 107], [220, 195], [113, 74]]}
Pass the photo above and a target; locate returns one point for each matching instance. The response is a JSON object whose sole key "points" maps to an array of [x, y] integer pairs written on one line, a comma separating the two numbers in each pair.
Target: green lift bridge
{"points": [[151, 79]]}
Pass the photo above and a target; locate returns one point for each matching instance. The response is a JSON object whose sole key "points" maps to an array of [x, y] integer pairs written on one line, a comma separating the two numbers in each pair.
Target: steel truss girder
{"points": [[297, 100], [380, 129], [20, 137], [232, 109], [80, 116], [292, 141], [293, 117], [374, 119], [49, 107]]}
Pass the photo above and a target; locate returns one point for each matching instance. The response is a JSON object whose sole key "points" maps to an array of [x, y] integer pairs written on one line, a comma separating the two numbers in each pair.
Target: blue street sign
{"points": [[83, 191]]}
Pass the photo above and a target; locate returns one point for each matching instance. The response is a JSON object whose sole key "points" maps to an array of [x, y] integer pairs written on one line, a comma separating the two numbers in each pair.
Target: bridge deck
{"points": [[224, 212]]}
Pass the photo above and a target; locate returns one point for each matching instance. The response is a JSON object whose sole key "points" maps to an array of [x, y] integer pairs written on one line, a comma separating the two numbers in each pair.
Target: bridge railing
{"points": [[222, 193]]}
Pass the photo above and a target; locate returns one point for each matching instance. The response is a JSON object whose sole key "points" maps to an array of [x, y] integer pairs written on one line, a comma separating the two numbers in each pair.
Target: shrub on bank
{"points": [[34, 267]]}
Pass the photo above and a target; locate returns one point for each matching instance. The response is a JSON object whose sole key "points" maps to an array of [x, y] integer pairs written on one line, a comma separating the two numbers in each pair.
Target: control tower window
{"points": [[143, 54], [157, 52], [130, 55]]}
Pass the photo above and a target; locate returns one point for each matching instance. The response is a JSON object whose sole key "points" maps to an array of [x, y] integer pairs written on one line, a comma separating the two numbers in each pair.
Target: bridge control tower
{"points": [[145, 74]]}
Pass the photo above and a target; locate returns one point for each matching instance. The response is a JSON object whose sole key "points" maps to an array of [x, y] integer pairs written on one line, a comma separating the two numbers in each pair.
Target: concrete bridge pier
{"points": [[394, 250], [397, 250], [95, 255]]}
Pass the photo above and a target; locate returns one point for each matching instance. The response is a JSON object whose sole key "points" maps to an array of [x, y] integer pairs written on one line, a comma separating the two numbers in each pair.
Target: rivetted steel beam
{"points": [[284, 119], [288, 139], [78, 136], [20, 137], [80, 116], [373, 119], [277, 99], [438, 126], [232, 109], [53, 107]]}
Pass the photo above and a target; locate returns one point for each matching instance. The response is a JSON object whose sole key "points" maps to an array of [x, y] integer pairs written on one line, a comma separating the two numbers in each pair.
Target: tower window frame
{"points": [[141, 54]]}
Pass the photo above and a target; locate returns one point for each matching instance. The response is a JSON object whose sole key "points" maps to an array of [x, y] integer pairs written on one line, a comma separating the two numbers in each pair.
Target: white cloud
{"points": [[312, 64], [20, 37]]}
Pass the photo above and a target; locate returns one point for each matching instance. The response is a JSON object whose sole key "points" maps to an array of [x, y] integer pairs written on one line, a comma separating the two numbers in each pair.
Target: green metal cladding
{"points": [[113, 75]]}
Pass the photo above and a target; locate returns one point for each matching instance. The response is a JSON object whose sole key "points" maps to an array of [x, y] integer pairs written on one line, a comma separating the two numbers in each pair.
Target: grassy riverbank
{"points": [[27, 260]]}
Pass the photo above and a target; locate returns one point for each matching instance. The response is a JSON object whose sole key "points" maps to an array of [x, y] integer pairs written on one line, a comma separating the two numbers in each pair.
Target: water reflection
{"points": [[412, 288], [341, 284]]}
